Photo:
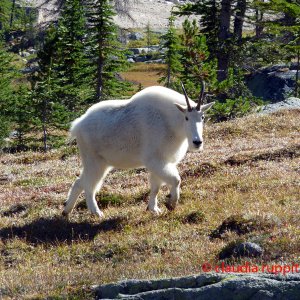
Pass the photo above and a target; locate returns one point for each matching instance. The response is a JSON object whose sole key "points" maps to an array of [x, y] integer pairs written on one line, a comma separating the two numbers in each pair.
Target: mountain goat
{"points": [[154, 129]]}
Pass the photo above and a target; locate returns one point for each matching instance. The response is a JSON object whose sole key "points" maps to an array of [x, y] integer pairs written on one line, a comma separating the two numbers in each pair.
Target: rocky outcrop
{"points": [[274, 83], [289, 103], [215, 286], [151, 54]]}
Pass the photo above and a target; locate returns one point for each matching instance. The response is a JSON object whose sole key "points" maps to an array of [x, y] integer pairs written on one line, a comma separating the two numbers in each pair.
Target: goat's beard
{"points": [[192, 148]]}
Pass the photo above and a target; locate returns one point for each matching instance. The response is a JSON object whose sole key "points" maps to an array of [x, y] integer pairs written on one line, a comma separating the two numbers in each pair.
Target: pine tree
{"points": [[285, 31], [195, 58], [6, 76], [171, 44], [22, 114], [49, 108], [222, 23], [71, 62], [209, 21], [5, 8], [105, 50]]}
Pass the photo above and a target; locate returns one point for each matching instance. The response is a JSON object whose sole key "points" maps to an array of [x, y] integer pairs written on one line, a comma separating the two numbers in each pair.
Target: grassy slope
{"points": [[144, 74], [250, 167]]}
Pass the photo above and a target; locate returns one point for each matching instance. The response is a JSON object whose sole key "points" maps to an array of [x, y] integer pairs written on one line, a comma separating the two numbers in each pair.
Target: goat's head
{"points": [[194, 118]]}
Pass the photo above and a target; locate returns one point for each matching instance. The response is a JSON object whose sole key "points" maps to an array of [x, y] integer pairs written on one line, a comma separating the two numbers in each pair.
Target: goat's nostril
{"points": [[197, 143]]}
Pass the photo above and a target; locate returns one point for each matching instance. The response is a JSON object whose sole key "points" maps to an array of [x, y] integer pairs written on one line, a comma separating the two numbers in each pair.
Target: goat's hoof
{"points": [[99, 214], [170, 206], [156, 210], [65, 215]]}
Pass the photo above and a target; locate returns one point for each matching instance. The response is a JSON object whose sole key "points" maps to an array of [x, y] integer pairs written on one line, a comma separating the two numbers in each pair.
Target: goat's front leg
{"points": [[168, 173], [174, 192], [155, 184]]}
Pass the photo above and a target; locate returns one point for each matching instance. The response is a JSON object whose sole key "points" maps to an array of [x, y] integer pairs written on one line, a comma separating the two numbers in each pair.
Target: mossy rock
{"points": [[244, 224]]}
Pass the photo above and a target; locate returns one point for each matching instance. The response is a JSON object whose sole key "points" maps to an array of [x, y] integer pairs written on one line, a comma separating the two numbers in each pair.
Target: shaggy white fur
{"points": [[153, 129]]}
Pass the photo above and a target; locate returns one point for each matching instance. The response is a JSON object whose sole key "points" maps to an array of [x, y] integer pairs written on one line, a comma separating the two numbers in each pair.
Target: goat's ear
{"points": [[182, 108], [207, 106]]}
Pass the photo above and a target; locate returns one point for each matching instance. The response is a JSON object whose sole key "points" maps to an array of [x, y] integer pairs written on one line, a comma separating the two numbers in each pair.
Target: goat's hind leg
{"points": [[74, 193], [93, 176], [90, 180]]}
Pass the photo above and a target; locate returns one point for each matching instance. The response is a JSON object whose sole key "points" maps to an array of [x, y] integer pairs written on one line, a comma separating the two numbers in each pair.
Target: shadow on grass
{"points": [[54, 230]]}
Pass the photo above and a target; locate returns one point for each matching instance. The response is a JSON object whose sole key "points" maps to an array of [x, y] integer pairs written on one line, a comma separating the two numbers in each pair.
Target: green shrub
{"points": [[230, 109]]}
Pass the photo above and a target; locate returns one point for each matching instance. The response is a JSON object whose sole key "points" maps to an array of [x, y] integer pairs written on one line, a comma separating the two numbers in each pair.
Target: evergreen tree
{"points": [[222, 23], [22, 114], [70, 61], [5, 7], [105, 50], [6, 76], [195, 58], [50, 110], [209, 10], [240, 12], [285, 31], [171, 44]]}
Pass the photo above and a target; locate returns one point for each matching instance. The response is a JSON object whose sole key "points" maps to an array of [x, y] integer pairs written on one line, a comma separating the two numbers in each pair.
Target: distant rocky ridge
{"points": [[217, 286], [142, 12]]}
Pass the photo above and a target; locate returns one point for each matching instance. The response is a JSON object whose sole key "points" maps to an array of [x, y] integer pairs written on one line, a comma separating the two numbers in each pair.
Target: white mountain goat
{"points": [[153, 129]]}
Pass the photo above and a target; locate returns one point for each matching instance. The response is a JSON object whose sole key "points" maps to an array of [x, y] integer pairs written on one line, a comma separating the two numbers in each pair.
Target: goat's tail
{"points": [[73, 131], [70, 139]]}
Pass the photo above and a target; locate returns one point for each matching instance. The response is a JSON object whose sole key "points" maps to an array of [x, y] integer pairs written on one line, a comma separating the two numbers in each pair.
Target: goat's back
{"points": [[126, 132]]}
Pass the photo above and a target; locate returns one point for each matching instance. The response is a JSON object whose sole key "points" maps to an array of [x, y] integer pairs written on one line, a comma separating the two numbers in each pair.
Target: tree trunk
{"points": [[100, 62], [241, 7], [100, 74], [258, 20], [297, 74], [44, 125], [224, 34], [12, 13]]}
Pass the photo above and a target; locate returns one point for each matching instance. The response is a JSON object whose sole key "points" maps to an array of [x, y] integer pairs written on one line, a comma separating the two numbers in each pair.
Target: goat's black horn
{"points": [[186, 97], [201, 96]]}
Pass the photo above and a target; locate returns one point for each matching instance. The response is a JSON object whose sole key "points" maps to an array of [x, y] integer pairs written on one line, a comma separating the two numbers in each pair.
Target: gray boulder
{"points": [[289, 103], [135, 36], [216, 286], [247, 249], [274, 83]]}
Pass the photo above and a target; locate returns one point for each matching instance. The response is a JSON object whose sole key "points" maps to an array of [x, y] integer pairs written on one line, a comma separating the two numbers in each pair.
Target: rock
{"points": [[138, 51], [135, 36], [32, 51], [25, 54], [5, 178], [30, 69], [274, 83], [247, 249], [240, 249], [243, 224], [155, 61], [216, 286], [289, 103], [141, 58]]}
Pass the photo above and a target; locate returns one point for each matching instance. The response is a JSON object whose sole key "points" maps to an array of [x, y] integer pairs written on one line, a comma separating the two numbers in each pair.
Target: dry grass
{"points": [[144, 74], [250, 168]]}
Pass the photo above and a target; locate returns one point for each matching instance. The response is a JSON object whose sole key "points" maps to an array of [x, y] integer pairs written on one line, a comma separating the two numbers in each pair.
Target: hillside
{"points": [[142, 12], [249, 170]]}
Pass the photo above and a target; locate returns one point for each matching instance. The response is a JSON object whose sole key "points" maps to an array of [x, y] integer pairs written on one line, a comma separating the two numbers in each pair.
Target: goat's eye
{"points": [[187, 118], [203, 118]]}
